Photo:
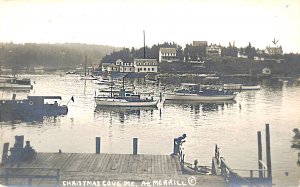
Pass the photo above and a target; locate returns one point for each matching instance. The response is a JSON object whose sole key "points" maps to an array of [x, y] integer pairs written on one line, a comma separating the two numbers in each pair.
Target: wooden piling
{"points": [[160, 96], [268, 152], [98, 143], [4, 153], [259, 154], [174, 146], [135, 146]]}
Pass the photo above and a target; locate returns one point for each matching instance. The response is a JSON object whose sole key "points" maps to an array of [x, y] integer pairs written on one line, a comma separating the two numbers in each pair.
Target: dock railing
{"points": [[253, 177], [29, 173]]}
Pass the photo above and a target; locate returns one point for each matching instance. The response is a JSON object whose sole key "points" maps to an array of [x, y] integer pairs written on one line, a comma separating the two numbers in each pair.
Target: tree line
{"points": [[68, 55], [188, 53]]}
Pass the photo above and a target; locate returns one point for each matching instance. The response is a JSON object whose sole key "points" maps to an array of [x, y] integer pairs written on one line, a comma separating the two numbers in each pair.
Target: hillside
{"points": [[66, 55]]}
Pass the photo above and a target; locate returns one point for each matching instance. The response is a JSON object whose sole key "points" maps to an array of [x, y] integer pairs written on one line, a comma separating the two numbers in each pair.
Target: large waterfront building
{"points": [[125, 67], [145, 65], [167, 55]]}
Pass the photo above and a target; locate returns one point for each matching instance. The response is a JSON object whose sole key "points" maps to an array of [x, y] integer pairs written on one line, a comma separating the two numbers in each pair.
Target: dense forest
{"points": [[68, 55]]}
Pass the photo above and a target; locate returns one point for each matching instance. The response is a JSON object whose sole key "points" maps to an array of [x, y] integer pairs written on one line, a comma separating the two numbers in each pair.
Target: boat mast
{"points": [[85, 58], [123, 76], [144, 45]]}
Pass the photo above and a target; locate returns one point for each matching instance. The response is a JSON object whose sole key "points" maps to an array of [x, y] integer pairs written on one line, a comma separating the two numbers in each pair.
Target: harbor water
{"points": [[233, 126]]}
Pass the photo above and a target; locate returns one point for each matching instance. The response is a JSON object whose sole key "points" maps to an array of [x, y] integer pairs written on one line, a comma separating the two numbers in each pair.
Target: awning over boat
{"points": [[44, 97]]}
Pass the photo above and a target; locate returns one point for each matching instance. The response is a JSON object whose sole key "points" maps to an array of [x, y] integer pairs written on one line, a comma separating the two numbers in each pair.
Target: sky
{"points": [[121, 23]]}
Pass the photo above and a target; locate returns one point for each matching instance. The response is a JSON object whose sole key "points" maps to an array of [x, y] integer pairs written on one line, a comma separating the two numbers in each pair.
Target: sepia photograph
{"points": [[150, 93]]}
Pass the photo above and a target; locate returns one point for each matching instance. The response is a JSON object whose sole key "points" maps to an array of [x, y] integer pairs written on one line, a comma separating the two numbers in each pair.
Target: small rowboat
{"points": [[190, 169]]}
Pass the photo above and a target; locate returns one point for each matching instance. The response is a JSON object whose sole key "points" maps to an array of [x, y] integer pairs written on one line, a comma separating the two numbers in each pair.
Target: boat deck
{"points": [[126, 169]]}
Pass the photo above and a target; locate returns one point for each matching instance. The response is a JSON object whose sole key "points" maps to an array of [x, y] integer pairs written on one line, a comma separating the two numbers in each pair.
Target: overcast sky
{"points": [[121, 23]]}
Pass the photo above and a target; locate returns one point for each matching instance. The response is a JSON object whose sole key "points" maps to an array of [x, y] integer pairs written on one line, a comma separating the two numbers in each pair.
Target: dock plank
{"points": [[97, 167]]}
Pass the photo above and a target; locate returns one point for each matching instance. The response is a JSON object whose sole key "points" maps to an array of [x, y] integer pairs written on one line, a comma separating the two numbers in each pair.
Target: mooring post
{"points": [[160, 97], [135, 146], [57, 177], [175, 146], [259, 154], [98, 142], [268, 152], [4, 153]]}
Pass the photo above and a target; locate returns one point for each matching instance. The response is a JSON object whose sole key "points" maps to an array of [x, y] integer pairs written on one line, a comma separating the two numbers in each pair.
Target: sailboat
{"points": [[124, 98], [87, 76], [250, 86]]}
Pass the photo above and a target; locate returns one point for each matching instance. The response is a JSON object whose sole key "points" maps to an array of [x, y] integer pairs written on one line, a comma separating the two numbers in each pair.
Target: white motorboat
{"points": [[192, 92]]}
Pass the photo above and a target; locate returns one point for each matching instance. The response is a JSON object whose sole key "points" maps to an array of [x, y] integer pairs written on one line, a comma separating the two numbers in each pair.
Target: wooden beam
{"points": [[259, 154], [98, 145], [135, 146], [268, 152]]}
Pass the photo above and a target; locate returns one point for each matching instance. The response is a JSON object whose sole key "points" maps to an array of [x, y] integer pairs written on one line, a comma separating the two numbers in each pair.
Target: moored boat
{"points": [[193, 92], [125, 99], [240, 87], [15, 83], [250, 87], [191, 169], [32, 107]]}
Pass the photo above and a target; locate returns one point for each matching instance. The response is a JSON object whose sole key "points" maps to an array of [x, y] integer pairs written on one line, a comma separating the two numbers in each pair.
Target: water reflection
{"points": [[204, 106], [122, 113]]}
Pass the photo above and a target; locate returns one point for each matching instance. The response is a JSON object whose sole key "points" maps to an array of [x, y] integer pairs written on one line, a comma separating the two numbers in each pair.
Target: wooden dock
{"points": [[126, 169]]}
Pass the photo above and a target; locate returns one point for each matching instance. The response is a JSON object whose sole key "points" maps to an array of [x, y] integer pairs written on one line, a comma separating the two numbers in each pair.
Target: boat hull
{"points": [[14, 86], [124, 103], [256, 87], [195, 97]]}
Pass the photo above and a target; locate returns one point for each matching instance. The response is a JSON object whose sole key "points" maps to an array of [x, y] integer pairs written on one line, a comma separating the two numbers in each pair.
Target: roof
{"points": [[136, 75], [143, 62], [109, 65], [44, 97], [199, 43], [167, 50]]}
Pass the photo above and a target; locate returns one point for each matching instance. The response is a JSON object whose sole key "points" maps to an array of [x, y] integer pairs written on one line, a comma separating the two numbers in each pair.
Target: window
{"points": [[152, 69], [145, 69], [148, 69], [129, 69]]}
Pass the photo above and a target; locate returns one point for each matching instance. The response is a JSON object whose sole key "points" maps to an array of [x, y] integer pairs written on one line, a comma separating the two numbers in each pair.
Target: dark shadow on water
{"points": [[31, 118]]}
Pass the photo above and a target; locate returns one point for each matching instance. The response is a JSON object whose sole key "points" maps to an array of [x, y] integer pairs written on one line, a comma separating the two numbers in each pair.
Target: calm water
{"points": [[233, 126]]}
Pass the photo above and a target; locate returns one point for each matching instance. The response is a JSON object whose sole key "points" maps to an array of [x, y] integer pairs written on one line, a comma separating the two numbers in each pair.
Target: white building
{"points": [[110, 67], [274, 50], [213, 50], [167, 55], [145, 65], [200, 43], [125, 67]]}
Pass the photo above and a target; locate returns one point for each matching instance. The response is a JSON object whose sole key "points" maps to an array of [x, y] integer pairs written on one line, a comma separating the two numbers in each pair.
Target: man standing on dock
{"points": [[177, 143]]}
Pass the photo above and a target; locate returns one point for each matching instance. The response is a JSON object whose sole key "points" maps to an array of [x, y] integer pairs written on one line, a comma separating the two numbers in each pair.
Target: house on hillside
{"points": [[200, 43], [213, 50], [167, 55], [145, 65], [274, 50], [125, 67]]}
